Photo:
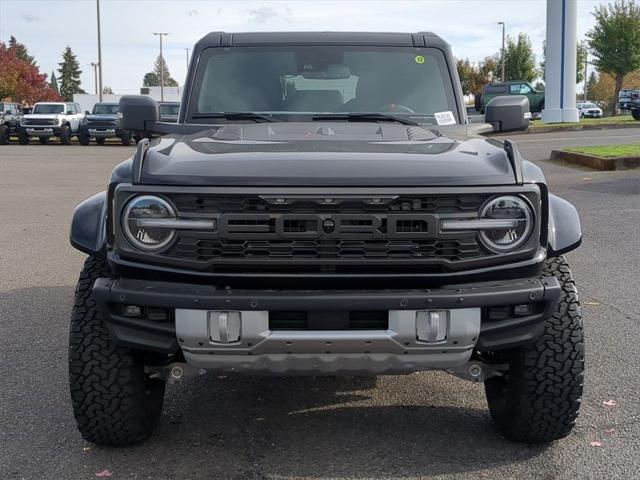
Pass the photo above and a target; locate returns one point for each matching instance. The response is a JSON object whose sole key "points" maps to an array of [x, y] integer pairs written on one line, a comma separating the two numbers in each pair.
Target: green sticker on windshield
{"points": [[419, 59]]}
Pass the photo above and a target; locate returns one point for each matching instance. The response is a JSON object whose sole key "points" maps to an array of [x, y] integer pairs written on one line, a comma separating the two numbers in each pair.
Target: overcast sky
{"points": [[129, 48]]}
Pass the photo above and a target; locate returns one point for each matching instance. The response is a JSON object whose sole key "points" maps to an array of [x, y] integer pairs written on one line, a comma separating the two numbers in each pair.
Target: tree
{"points": [[160, 66], [600, 90], [474, 77], [150, 80], [581, 58], [69, 75], [107, 91], [520, 62], [53, 83], [591, 83], [615, 42], [20, 80], [21, 51]]}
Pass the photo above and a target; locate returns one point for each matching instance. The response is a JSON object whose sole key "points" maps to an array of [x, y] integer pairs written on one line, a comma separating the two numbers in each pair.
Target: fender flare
{"points": [[565, 232], [89, 225]]}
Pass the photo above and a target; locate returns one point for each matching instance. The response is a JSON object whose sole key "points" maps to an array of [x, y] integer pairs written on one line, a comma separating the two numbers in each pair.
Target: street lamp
{"points": [[161, 34], [99, 52], [187, 50], [503, 46], [95, 75]]}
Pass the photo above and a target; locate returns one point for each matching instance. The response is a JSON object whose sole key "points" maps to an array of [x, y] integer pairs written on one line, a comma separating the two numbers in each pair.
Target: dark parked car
{"points": [[102, 123], [517, 87], [10, 115], [323, 207], [627, 98]]}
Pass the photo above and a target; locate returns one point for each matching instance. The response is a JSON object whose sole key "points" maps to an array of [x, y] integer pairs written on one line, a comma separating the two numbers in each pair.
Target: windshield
{"points": [[169, 109], [48, 108], [105, 109], [290, 82], [588, 105]]}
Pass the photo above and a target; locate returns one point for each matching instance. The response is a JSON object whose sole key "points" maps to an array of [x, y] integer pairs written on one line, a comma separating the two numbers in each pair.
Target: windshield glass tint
{"points": [[47, 108], [303, 80], [105, 109], [169, 109]]}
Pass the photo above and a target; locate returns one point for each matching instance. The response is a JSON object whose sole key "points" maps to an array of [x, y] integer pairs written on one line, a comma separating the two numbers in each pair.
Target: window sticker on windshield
{"points": [[445, 118], [419, 59]]}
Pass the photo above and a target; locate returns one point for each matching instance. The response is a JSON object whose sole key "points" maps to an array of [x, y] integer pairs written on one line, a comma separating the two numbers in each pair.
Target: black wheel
{"points": [[538, 398], [65, 135], [84, 139], [126, 139], [635, 114], [23, 138], [44, 140], [100, 141], [4, 134], [115, 403]]}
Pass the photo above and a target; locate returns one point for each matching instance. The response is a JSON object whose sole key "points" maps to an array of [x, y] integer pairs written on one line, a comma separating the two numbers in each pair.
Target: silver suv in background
{"points": [[51, 119]]}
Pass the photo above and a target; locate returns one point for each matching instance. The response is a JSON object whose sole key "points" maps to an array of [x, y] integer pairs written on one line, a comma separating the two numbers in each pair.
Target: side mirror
{"points": [[508, 113], [137, 111], [70, 112], [87, 112], [8, 112]]}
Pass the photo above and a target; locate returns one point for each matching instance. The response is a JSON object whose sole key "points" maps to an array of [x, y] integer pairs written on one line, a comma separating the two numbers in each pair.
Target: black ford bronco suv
{"points": [[102, 123], [323, 207]]}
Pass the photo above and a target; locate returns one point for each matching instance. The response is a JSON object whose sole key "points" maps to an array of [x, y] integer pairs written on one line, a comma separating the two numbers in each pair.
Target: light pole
{"points": [[187, 50], [99, 52], [161, 34], [503, 52], [586, 72], [95, 75]]}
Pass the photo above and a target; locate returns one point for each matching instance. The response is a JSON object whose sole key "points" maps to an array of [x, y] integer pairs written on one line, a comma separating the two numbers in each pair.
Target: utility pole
{"points": [[586, 72], [187, 50], [503, 50], [161, 34], [95, 75], [99, 53]]}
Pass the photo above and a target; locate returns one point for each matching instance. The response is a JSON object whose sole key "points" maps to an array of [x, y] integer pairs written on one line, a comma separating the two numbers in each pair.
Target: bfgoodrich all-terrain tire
{"points": [[538, 398], [635, 114], [115, 403], [4, 134]]}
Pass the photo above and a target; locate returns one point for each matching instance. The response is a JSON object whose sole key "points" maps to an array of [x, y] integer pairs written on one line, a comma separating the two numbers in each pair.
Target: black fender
{"points": [[89, 225], [565, 232]]}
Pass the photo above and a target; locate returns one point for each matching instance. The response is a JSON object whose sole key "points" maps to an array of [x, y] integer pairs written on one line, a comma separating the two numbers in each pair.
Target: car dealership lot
{"points": [[423, 425]]}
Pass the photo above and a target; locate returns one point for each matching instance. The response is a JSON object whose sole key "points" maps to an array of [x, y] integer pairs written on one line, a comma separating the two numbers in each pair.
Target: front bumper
{"points": [[40, 130], [101, 132], [395, 349]]}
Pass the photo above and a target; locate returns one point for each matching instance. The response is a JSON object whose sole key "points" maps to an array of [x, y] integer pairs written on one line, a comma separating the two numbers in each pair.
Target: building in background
{"points": [[87, 101]]}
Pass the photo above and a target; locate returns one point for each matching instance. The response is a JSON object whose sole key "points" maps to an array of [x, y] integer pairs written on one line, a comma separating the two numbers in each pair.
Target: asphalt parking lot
{"points": [[427, 425]]}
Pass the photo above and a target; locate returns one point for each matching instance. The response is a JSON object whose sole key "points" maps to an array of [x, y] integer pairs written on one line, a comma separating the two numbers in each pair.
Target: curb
{"points": [[597, 163], [577, 128]]}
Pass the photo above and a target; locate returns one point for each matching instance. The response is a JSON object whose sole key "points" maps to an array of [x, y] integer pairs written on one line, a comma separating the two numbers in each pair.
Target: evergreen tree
{"points": [[53, 83], [520, 62], [160, 66], [69, 75], [21, 51]]}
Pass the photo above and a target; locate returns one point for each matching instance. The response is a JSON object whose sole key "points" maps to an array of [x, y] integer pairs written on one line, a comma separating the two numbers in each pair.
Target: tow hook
{"points": [[174, 372], [478, 372]]}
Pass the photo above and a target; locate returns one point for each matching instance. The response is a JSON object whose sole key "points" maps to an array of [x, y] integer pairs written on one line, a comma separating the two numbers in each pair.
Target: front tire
{"points": [[84, 139], [538, 398], [100, 141], [114, 402], [4, 134], [636, 114], [126, 139], [65, 135], [44, 140]]}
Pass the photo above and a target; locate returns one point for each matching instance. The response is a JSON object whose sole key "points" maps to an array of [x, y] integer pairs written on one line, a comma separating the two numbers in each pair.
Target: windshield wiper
{"points": [[256, 117], [366, 117]]}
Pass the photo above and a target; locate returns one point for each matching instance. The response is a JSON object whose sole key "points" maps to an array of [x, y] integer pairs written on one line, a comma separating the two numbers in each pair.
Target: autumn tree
{"points": [[520, 62], [600, 90], [20, 79], [475, 76], [69, 75], [615, 43]]}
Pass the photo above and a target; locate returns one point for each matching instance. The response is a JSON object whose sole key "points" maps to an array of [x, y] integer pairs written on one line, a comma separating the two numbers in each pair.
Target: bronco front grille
{"points": [[101, 123]]}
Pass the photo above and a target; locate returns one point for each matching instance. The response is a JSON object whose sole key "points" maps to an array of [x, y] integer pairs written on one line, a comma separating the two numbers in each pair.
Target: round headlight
{"points": [[517, 226], [139, 226]]}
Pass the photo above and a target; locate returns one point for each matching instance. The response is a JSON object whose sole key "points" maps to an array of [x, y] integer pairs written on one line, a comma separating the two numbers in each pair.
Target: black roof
{"points": [[419, 39]]}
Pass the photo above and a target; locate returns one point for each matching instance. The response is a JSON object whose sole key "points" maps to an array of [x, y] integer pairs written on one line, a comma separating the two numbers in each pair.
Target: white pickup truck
{"points": [[51, 119]]}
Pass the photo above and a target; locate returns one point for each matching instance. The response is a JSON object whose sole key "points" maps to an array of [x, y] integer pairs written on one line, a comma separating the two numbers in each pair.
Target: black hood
{"points": [[331, 154]]}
